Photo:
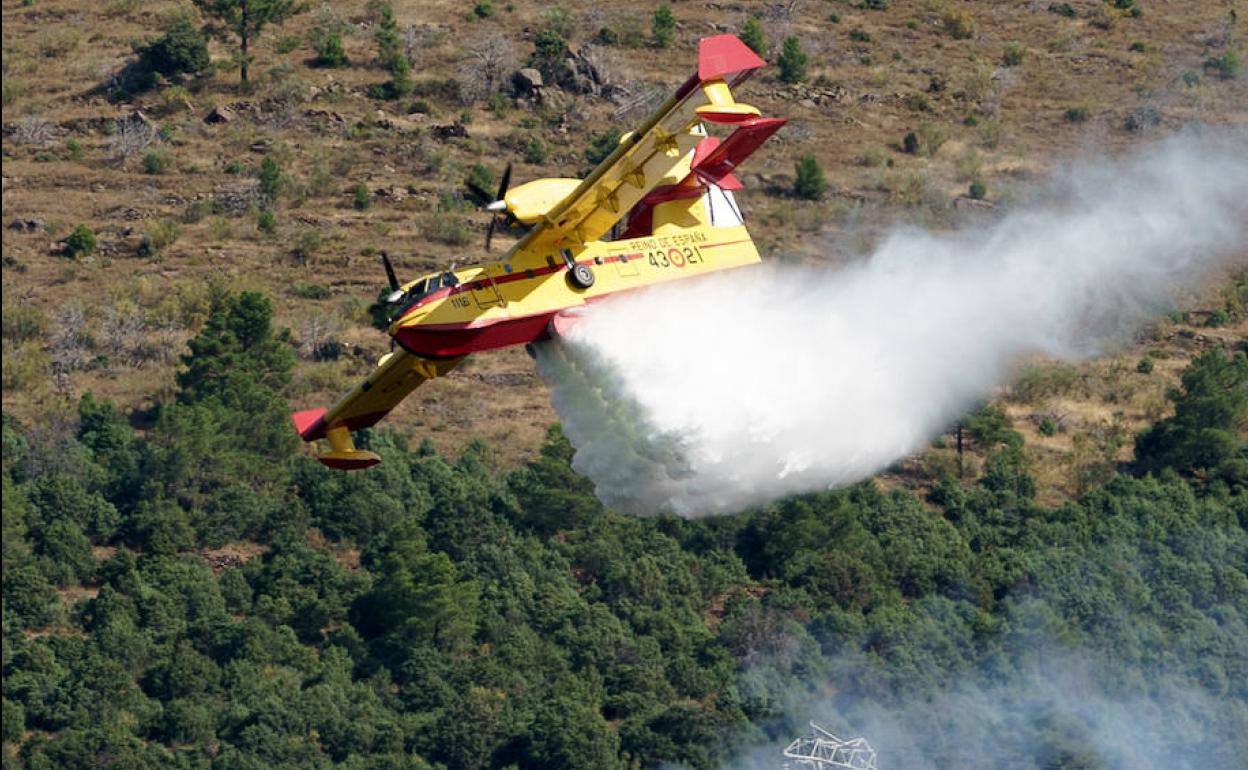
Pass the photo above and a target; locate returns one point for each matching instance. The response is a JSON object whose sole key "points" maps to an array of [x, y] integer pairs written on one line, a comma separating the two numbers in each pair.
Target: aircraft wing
{"points": [[653, 152], [397, 374]]}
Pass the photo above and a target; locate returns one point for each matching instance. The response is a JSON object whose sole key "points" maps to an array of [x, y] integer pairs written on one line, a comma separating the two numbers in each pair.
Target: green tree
{"points": [[246, 20], [183, 49], [550, 49], [663, 26], [81, 242], [270, 176], [1210, 420], [793, 61], [329, 50], [810, 184], [418, 597], [752, 35], [389, 40]]}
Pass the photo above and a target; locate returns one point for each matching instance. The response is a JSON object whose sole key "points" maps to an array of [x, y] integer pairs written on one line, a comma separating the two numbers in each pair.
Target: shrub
{"points": [[978, 190], [157, 162], [22, 322], [1063, 9], [307, 243], [197, 210], [959, 24], [1048, 426], [287, 43], [1139, 46], [663, 26], [480, 178], [1218, 318], [158, 235], [875, 5], [1078, 114], [559, 19], [792, 61], [1013, 55], [80, 242], [535, 150], [1142, 118], [753, 36], [910, 143], [329, 50], [860, 36], [310, 291], [483, 9], [601, 145], [931, 138], [1226, 66], [917, 103], [266, 222], [73, 149], [450, 230], [362, 197], [1145, 365], [810, 183]]}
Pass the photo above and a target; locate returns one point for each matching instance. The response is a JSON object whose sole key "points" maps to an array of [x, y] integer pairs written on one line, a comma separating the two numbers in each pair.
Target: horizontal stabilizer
{"points": [[740, 144]]}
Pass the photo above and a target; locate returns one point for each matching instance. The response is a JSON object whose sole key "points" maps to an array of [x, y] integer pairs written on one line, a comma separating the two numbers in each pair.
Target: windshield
{"points": [[428, 285]]}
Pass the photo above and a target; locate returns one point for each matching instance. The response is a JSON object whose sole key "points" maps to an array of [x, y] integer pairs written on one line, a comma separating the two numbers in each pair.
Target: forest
{"points": [[198, 593]]}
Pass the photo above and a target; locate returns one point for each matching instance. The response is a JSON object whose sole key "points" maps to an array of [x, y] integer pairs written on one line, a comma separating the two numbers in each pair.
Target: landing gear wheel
{"points": [[581, 277]]}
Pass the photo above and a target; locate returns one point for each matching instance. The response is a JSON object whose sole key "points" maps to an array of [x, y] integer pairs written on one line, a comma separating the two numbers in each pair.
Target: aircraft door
{"points": [[486, 293]]}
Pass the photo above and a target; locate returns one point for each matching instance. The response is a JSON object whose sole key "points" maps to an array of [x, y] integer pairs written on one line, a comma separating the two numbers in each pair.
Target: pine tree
{"points": [[246, 20], [811, 183], [793, 61], [389, 42], [753, 36], [663, 25]]}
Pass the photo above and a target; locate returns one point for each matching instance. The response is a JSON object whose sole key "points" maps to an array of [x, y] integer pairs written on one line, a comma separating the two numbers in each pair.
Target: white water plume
{"points": [[711, 395]]}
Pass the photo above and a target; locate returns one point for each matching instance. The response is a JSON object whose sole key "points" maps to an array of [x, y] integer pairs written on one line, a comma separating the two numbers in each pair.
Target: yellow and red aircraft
{"points": [[666, 192]]}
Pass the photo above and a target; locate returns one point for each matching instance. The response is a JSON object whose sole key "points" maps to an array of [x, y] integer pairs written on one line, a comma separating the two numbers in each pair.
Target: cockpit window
{"points": [[428, 285]]}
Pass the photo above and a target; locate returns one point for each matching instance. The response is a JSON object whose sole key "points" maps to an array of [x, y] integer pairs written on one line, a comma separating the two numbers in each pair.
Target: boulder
{"points": [[220, 115], [27, 225], [528, 80]]}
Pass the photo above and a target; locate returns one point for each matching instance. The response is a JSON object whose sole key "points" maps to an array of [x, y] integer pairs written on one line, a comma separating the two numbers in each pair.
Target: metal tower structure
{"points": [[821, 750]]}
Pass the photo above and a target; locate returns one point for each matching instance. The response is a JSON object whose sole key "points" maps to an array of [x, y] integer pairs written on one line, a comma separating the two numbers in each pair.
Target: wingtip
{"points": [[350, 460], [309, 423]]}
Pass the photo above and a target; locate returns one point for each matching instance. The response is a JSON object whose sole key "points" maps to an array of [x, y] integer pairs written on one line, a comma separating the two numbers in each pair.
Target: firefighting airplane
{"points": [[666, 195]]}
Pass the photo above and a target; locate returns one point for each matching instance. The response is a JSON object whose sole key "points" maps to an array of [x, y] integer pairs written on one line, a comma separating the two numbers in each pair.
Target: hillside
{"points": [[995, 93], [185, 588]]}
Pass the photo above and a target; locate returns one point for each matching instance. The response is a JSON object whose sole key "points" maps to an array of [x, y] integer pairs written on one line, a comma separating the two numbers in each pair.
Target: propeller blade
{"points": [[499, 204], [390, 276], [504, 183]]}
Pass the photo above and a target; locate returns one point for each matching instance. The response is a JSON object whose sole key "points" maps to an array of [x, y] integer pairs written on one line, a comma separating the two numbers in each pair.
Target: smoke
{"points": [[708, 396], [1058, 710]]}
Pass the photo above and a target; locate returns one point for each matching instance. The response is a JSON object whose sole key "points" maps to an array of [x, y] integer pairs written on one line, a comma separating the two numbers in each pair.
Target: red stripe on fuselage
{"points": [[458, 339]]}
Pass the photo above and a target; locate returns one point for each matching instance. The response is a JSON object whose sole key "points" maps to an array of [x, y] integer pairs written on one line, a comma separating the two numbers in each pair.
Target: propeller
{"points": [[396, 292], [498, 205]]}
